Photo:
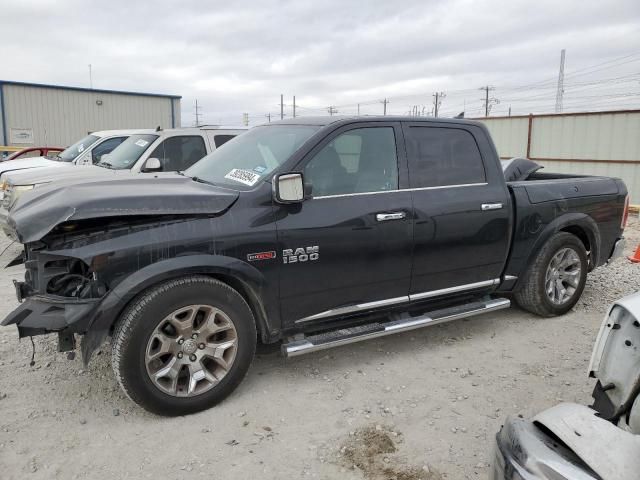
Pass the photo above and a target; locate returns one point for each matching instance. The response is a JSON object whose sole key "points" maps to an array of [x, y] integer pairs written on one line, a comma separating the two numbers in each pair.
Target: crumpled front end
{"points": [[60, 294]]}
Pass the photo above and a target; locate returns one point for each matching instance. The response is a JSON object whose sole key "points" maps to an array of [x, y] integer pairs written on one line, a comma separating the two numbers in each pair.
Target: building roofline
{"points": [[90, 90]]}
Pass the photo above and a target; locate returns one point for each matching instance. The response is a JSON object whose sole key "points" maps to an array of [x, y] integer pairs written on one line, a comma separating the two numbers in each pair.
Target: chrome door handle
{"points": [[491, 206], [383, 217]]}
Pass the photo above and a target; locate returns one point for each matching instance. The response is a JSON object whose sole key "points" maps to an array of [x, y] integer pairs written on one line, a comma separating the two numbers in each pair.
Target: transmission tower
{"points": [[560, 91], [332, 110]]}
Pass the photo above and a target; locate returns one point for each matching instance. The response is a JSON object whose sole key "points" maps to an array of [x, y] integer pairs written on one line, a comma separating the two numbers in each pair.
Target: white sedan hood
{"points": [[33, 162]]}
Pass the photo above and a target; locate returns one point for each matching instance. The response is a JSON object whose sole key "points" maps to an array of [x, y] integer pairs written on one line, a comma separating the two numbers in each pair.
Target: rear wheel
{"points": [[555, 280], [184, 345]]}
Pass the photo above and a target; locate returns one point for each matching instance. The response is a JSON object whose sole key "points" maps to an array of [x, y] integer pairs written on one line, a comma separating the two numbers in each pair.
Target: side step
{"points": [[396, 324]]}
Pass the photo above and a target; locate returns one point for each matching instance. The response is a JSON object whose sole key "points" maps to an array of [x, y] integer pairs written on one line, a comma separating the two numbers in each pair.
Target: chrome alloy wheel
{"points": [[563, 276], [191, 350]]}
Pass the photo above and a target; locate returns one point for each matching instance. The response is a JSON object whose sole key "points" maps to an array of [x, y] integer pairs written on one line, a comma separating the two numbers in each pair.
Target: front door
{"points": [[347, 249], [461, 212]]}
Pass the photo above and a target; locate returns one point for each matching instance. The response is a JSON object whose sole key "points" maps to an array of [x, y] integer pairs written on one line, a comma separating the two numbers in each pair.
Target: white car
{"points": [[86, 151], [144, 151]]}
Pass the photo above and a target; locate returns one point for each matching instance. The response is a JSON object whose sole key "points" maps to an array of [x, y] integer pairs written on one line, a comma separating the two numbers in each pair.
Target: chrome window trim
{"points": [[401, 190], [394, 301]]}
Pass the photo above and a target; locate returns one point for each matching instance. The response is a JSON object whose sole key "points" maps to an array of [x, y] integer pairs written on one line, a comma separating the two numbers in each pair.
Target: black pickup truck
{"points": [[314, 232]]}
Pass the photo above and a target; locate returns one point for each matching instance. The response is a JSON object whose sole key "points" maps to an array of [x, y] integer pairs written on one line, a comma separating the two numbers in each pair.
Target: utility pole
{"points": [[197, 114], [358, 109], [384, 102], [509, 110], [560, 91], [488, 102], [294, 106], [332, 110], [268, 115], [90, 78], [437, 101], [281, 106]]}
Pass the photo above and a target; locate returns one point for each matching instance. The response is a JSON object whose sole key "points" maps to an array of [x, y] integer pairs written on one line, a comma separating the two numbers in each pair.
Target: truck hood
{"points": [[33, 162], [39, 176], [39, 211]]}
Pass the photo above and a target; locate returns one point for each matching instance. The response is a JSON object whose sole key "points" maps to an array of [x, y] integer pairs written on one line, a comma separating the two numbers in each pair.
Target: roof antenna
{"points": [[158, 128], [460, 115]]}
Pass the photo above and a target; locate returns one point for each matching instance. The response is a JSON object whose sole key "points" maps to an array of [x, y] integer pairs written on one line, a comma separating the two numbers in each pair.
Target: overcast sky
{"points": [[238, 57]]}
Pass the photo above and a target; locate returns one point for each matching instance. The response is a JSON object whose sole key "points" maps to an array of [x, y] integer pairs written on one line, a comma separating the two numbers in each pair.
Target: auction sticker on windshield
{"points": [[243, 176], [142, 143]]}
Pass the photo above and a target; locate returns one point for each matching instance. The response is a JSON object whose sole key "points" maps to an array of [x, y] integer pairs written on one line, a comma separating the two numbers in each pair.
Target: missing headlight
{"points": [[75, 279]]}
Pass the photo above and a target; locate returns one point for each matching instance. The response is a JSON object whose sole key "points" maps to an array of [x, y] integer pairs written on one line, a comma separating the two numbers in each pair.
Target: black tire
{"points": [[141, 318], [532, 295]]}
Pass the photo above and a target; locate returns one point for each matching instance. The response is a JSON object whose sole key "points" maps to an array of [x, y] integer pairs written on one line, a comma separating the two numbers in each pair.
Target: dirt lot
{"points": [[422, 405]]}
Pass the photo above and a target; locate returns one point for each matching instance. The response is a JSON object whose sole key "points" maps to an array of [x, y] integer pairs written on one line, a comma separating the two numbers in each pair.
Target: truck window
{"points": [[105, 147], [358, 161], [443, 156], [220, 140], [179, 152]]}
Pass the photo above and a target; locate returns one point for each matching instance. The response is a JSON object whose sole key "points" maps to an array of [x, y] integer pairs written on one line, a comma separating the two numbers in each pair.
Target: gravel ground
{"points": [[421, 405]]}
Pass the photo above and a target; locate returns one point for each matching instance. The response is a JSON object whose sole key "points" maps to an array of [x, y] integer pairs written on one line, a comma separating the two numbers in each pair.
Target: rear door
{"points": [[347, 249], [461, 210]]}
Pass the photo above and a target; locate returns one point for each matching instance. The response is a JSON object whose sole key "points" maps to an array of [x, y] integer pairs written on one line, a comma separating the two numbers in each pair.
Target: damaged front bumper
{"points": [[40, 314]]}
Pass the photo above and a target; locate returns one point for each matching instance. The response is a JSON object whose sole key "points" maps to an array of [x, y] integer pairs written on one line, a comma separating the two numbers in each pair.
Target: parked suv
{"points": [[143, 151]]}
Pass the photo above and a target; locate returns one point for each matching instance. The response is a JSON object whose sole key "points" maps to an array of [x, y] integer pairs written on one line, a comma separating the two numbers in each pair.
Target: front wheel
{"points": [[556, 278], [183, 345]]}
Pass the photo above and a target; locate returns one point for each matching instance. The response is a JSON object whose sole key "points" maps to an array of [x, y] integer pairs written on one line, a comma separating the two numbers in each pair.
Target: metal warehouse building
{"points": [[51, 115], [586, 143]]}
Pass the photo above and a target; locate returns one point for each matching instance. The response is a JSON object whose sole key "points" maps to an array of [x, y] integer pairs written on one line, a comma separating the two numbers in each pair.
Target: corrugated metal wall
{"points": [[603, 143], [59, 116]]}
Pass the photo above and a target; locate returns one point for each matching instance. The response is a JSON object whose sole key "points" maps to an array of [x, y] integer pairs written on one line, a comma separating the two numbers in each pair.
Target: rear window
{"points": [[441, 156]]}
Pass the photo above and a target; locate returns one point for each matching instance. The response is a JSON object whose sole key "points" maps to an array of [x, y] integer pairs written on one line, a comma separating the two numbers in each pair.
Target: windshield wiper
{"points": [[105, 165], [200, 180]]}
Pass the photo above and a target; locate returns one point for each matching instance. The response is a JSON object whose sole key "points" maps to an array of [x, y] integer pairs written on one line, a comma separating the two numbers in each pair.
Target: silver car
{"points": [[575, 442]]}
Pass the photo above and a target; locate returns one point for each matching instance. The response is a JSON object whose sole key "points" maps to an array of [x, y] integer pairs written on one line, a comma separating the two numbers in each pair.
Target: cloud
{"points": [[238, 57]]}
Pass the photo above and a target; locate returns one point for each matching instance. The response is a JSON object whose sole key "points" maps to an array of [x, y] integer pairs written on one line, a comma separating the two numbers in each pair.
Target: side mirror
{"points": [[289, 188], [152, 165]]}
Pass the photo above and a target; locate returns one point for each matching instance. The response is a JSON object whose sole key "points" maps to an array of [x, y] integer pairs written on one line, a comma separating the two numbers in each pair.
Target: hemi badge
{"points": [[252, 257]]}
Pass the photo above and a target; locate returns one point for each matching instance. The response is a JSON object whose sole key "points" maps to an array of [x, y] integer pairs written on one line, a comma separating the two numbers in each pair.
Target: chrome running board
{"points": [[396, 324]]}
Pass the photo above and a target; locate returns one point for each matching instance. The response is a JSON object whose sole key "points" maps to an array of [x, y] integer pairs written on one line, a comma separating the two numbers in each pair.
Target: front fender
{"points": [[262, 300]]}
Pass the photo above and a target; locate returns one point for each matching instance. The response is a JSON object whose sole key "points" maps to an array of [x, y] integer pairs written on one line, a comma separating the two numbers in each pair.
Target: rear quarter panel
{"points": [[593, 205]]}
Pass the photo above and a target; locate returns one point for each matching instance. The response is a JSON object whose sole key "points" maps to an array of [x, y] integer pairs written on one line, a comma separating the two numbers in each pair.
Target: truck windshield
{"points": [[125, 155], [247, 158], [76, 149]]}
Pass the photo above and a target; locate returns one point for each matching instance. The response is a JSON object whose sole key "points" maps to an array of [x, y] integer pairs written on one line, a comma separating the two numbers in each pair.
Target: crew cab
{"points": [[313, 232], [142, 151]]}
